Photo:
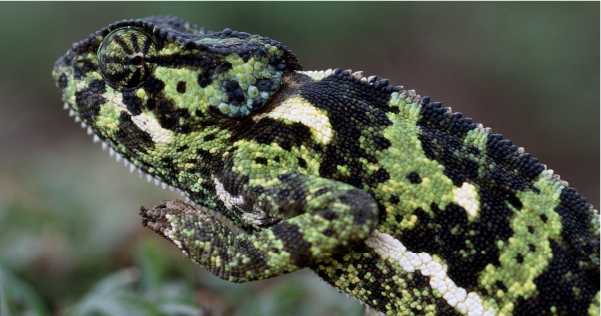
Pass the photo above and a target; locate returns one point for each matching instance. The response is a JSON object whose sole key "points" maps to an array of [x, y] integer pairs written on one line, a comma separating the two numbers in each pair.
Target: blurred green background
{"points": [[70, 236]]}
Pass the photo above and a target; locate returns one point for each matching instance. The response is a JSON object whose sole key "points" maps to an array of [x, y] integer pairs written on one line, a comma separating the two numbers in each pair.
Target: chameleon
{"points": [[390, 198]]}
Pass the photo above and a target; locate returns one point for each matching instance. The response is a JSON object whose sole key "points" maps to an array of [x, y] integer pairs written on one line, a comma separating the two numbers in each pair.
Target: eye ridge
{"points": [[122, 63]]}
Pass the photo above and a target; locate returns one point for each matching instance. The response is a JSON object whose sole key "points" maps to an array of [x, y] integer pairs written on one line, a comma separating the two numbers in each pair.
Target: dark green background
{"points": [[68, 213]]}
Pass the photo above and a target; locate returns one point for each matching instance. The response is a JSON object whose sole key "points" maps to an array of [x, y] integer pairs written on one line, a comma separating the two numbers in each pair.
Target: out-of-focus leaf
{"points": [[113, 295], [18, 297], [133, 291]]}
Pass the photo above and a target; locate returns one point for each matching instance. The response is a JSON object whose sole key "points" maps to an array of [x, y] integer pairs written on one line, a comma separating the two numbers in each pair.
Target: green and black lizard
{"points": [[387, 196]]}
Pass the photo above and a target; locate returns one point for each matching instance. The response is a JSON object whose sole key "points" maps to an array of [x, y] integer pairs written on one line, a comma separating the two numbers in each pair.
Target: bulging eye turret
{"points": [[127, 58]]}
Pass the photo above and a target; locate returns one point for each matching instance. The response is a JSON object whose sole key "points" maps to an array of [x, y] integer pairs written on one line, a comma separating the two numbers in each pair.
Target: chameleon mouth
{"points": [[150, 178], [132, 167], [120, 157]]}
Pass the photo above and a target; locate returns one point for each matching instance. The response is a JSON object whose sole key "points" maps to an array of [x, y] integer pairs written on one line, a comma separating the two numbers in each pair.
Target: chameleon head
{"points": [[152, 89]]}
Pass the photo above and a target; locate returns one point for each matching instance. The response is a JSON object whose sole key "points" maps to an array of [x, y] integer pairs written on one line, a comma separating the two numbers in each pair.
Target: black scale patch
{"points": [[451, 228], [63, 82], [167, 114], [372, 267], [414, 178], [378, 177], [441, 137], [574, 263], [257, 258], [235, 95], [556, 286], [89, 99], [268, 130], [133, 103], [576, 221], [294, 243], [181, 87], [82, 67], [371, 264], [261, 160], [131, 136], [302, 163], [451, 129], [351, 106]]}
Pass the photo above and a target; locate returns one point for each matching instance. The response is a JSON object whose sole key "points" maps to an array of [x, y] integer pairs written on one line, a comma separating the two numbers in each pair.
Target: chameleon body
{"points": [[388, 197]]}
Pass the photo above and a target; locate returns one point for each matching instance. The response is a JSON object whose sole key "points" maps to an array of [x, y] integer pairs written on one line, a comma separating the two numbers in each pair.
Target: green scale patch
{"points": [[390, 198]]}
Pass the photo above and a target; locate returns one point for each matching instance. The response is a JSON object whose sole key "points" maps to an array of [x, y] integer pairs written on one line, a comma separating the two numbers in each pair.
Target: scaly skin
{"points": [[390, 198]]}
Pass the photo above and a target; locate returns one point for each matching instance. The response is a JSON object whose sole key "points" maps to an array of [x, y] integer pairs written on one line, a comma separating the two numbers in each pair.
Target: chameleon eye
{"points": [[125, 58]]}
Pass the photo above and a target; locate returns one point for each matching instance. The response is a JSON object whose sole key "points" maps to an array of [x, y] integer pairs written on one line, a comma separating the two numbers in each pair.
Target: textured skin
{"points": [[387, 196]]}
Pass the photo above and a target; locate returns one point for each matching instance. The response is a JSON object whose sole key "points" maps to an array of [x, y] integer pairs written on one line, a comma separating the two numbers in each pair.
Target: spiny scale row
{"points": [[378, 83], [499, 147]]}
